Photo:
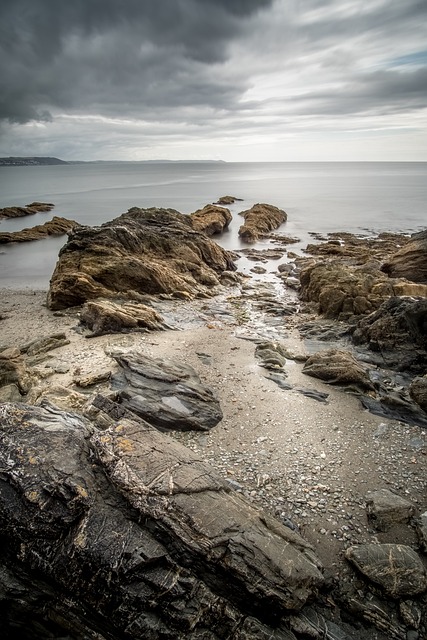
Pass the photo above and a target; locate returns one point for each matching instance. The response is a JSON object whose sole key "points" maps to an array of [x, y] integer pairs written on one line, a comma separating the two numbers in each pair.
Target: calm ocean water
{"points": [[318, 197]]}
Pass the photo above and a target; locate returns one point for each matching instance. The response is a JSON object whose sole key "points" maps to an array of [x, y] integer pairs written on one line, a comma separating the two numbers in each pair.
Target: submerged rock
{"points": [[126, 533], [29, 209], [260, 220], [152, 251], [166, 393]]}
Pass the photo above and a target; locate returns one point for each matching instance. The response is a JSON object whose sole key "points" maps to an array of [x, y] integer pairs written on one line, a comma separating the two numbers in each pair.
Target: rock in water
{"points": [[166, 393], [55, 227], [144, 251], [126, 533], [211, 219], [260, 220]]}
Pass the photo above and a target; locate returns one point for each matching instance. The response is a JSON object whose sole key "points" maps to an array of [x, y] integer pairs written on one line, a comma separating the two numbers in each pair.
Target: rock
{"points": [[395, 567], [55, 227], [228, 200], [398, 331], [63, 397], [410, 261], [10, 393], [43, 345], [165, 393], [29, 209], [337, 367], [418, 391], [116, 533], [272, 355], [211, 219], [13, 371], [422, 531], [386, 509], [144, 251], [258, 269], [260, 220], [94, 378], [105, 316]]}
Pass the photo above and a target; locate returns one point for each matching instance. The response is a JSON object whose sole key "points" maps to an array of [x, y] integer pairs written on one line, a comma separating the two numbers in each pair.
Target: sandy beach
{"points": [[310, 463]]}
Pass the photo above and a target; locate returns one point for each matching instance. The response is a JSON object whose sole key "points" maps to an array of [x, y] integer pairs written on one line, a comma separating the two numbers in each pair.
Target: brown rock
{"points": [[13, 371], [105, 316], [211, 219], [55, 227], [385, 509], [152, 251], [260, 220], [29, 209], [410, 261], [227, 200], [418, 391], [337, 367]]}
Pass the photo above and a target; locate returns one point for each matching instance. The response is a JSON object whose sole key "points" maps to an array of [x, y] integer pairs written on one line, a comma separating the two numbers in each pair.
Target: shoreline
{"points": [[309, 463]]}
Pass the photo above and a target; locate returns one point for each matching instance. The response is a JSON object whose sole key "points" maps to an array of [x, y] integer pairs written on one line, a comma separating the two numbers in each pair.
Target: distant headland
{"points": [[21, 161]]}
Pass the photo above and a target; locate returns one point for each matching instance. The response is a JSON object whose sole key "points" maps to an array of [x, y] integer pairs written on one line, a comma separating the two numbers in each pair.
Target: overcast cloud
{"points": [[235, 80]]}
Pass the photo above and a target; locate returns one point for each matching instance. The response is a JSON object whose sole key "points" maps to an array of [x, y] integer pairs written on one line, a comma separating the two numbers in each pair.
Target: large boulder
{"points": [[211, 219], [260, 220], [125, 533], [410, 261], [152, 251], [166, 393], [55, 227]]}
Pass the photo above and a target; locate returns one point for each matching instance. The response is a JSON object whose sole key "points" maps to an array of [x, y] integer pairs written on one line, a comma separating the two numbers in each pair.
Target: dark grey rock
{"points": [[386, 509]]}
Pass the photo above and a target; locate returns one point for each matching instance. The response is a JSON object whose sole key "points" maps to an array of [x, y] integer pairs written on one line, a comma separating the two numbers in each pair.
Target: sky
{"points": [[232, 80]]}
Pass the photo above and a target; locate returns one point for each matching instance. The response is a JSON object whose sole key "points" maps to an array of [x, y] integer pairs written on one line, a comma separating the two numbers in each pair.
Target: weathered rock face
{"points": [[398, 330], [418, 391], [126, 533], [344, 293], [55, 227], [29, 209], [105, 316], [152, 251], [338, 367], [385, 509], [395, 567], [166, 393], [13, 371], [211, 219], [410, 261], [260, 220]]}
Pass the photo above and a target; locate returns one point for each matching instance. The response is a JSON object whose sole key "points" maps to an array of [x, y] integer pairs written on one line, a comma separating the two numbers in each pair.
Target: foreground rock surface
{"points": [[152, 251], [171, 551]]}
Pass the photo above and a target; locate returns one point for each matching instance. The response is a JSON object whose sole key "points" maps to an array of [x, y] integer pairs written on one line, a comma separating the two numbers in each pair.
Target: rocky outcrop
{"points": [[410, 261], [345, 293], [55, 227], [29, 209], [166, 393], [211, 219], [227, 200], [152, 251], [397, 331], [105, 316], [418, 391], [260, 220], [126, 533]]}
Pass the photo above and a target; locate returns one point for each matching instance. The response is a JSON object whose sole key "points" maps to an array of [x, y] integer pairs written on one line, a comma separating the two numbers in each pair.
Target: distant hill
{"points": [[19, 161]]}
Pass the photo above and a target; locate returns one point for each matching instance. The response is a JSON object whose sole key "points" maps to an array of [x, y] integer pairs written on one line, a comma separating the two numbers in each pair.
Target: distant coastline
{"points": [[37, 161]]}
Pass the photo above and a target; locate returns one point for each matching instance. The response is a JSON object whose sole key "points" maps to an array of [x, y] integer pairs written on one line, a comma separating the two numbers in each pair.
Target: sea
{"points": [[359, 197]]}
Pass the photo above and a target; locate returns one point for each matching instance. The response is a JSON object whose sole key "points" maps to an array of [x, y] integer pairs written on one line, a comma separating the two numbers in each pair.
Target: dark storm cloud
{"points": [[116, 57]]}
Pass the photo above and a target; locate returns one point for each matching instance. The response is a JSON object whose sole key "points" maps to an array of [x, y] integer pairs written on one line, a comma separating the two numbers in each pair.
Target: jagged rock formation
{"points": [[346, 293], [126, 533], [410, 261], [211, 219], [260, 220], [152, 251], [29, 209], [55, 227]]}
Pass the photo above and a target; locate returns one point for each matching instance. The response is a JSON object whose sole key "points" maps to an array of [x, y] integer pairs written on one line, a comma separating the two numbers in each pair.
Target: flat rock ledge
{"points": [[126, 533], [55, 227], [28, 210], [144, 251]]}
